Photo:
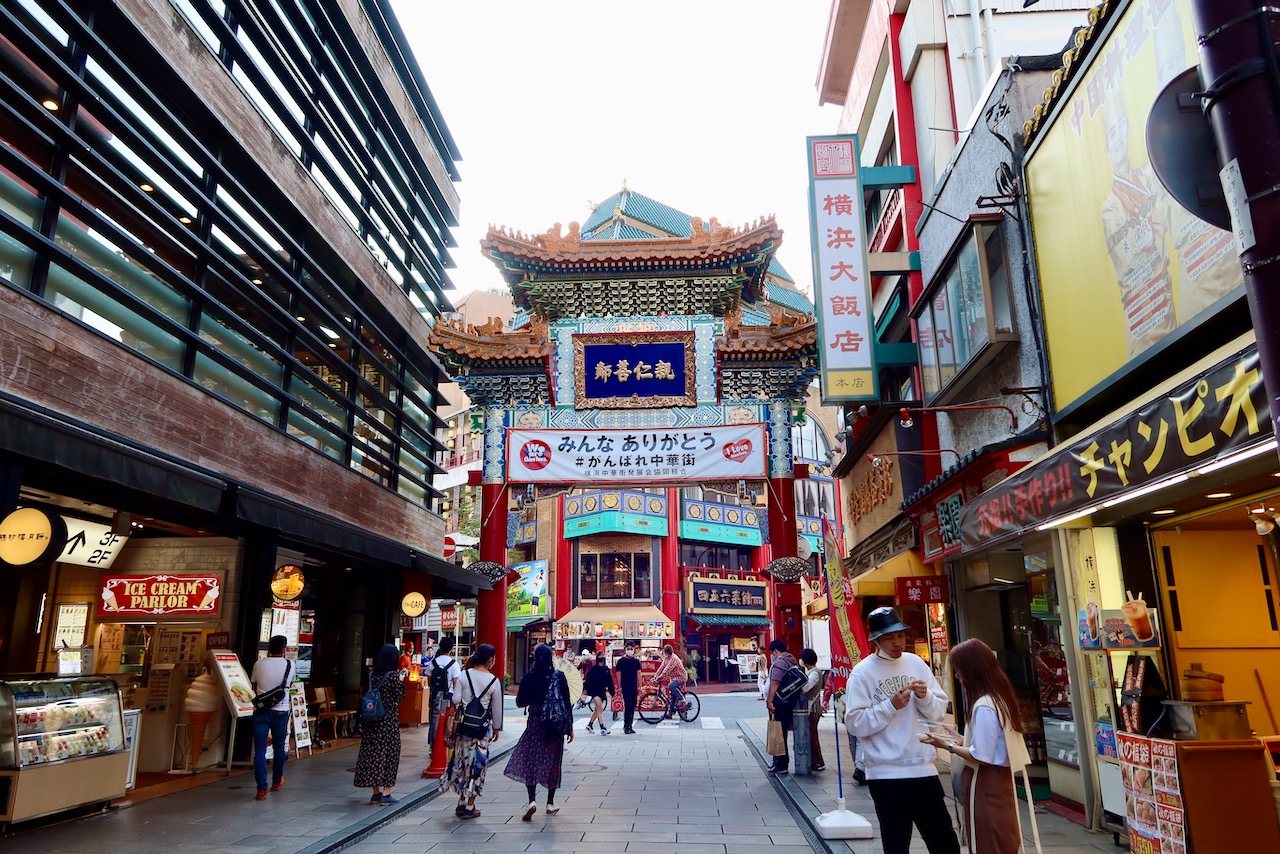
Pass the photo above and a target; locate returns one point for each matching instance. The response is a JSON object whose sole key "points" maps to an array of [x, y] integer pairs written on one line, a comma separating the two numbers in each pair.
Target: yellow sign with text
{"points": [[1122, 265]]}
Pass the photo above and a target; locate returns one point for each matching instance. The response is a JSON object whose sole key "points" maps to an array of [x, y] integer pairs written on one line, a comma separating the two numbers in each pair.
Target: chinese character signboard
{"points": [[713, 596], [930, 590], [621, 456], [841, 284], [528, 597], [27, 535], [634, 370], [160, 595], [1205, 419]]}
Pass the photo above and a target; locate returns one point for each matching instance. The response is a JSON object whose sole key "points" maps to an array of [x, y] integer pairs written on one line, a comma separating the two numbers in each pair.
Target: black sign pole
{"points": [[1241, 77]]}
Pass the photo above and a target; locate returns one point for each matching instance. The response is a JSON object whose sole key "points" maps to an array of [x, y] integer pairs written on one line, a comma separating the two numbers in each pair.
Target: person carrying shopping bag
{"points": [[992, 751], [477, 721]]}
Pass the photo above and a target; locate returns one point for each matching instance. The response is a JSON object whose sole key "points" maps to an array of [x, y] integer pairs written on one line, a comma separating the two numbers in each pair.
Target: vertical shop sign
{"points": [[841, 284]]}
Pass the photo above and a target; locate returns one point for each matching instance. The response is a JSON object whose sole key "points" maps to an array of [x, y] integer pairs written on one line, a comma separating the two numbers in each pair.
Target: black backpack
{"points": [[557, 715], [474, 720], [440, 677], [791, 685]]}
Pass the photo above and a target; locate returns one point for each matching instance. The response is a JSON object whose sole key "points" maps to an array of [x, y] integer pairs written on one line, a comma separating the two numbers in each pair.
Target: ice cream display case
{"points": [[61, 745]]}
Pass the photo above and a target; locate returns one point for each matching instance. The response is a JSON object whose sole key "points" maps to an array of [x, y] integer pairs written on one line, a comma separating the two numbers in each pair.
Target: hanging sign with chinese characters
{"points": [[713, 596], [634, 370], [623, 456], [1204, 420], [841, 284], [921, 590]]}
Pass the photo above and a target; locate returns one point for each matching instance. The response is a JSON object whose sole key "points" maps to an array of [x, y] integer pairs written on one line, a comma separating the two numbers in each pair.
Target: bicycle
{"points": [[653, 705]]}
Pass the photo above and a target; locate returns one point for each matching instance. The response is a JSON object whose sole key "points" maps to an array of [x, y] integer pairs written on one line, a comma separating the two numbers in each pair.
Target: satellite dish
{"points": [[1184, 152], [804, 549]]}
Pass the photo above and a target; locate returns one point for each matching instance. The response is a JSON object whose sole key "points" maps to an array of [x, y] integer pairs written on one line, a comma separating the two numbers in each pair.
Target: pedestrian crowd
{"points": [[894, 711]]}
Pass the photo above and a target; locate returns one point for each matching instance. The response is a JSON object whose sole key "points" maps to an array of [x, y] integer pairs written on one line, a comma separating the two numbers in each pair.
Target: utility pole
{"points": [[1241, 81]]}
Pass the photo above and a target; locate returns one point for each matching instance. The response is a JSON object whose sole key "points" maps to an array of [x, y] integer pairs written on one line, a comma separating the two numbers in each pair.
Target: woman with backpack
{"points": [[379, 756], [477, 722], [540, 751]]}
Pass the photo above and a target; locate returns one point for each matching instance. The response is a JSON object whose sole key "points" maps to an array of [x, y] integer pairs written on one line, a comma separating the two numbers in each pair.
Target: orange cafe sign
{"points": [[160, 595]]}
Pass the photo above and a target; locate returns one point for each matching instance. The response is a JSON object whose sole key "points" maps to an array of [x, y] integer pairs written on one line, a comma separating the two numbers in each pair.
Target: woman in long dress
{"points": [[992, 741], [470, 759], [379, 757], [538, 756]]}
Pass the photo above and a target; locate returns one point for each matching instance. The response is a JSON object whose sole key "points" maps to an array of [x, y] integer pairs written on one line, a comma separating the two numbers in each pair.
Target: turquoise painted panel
{"points": [[710, 532], [611, 522]]}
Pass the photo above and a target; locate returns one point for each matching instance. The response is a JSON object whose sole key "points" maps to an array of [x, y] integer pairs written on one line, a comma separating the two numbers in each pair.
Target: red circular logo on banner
{"points": [[535, 455]]}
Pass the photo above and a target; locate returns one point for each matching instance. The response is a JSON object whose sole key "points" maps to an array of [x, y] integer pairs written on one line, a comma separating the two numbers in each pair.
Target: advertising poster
{"points": [[619, 456], [236, 688], [1104, 739], [1139, 793], [528, 597], [1123, 265], [298, 715], [1134, 627], [1170, 817]]}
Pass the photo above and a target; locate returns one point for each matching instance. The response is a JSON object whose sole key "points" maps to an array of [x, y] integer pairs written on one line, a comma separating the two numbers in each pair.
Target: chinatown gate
{"points": [[649, 349]]}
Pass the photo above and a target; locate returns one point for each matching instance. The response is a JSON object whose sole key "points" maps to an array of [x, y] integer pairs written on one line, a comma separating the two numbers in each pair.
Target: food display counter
{"points": [[61, 745]]}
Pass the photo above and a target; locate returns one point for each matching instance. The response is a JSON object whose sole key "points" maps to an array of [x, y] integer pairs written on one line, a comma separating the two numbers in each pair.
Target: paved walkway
{"points": [[690, 788], [817, 793]]}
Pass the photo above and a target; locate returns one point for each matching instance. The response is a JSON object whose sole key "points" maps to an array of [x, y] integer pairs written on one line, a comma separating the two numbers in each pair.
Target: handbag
{"points": [[371, 708], [267, 700], [775, 742]]}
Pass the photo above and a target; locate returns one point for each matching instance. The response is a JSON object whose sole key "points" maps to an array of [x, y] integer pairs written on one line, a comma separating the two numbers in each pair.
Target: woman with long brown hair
{"points": [[992, 750]]}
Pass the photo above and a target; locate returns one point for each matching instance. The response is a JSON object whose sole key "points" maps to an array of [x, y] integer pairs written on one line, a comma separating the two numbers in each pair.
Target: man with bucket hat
{"points": [[893, 699]]}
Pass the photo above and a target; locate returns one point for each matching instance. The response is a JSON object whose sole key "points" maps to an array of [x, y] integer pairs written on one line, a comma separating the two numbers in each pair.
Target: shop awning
{"points": [[730, 621], [519, 624], [613, 613], [879, 581]]}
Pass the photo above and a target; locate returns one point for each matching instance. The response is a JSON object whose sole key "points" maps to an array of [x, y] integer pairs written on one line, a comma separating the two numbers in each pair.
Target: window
{"points": [[715, 557], [614, 576], [809, 441], [967, 315]]}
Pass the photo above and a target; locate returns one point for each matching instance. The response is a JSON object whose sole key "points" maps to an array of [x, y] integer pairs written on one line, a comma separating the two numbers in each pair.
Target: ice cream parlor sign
{"points": [[160, 595]]}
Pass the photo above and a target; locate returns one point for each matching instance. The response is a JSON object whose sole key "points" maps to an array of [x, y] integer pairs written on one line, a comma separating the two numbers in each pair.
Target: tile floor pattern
{"points": [[689, 788]]}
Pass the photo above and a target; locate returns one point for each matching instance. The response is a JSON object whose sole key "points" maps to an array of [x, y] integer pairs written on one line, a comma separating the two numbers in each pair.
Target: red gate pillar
{"points": [[782, 542], [491, 605], [670, 602]]}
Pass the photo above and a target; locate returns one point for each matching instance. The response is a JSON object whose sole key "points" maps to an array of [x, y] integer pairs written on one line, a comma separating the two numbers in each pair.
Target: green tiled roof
{"points": [[620, 231], [635, 206], [776, 269], [788, 298]]}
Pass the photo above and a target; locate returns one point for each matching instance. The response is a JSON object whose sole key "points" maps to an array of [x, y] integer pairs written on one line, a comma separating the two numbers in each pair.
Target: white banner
{"points": [[841, 282], [631, 456]]}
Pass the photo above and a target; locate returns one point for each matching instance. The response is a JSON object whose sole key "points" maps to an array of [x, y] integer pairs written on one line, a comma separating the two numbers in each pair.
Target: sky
{"points": [[702, 105]]}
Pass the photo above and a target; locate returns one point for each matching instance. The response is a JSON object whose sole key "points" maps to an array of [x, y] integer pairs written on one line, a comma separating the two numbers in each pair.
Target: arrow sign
{"points": [[90, 544]]}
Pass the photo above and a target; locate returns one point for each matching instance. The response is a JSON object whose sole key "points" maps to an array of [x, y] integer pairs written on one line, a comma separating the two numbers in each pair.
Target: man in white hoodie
{"points": [[892, 698]]}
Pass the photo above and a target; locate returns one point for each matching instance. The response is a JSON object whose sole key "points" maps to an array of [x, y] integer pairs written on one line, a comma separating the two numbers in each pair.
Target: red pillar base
{"points": [[439, 753]]}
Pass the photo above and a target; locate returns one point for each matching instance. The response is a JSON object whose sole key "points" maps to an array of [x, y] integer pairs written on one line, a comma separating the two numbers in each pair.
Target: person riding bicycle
{"points": [[672, 674]]}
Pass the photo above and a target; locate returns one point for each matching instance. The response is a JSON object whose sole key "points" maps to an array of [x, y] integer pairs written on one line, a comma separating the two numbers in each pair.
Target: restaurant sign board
{"points": [[160, 595], [1210, 417]]}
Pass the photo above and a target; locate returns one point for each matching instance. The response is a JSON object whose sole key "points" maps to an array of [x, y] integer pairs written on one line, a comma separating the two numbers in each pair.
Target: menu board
{"points": [[158, 688], [175, 646], [72, 619], [298, 714], [1152, 794], [236, 688]]}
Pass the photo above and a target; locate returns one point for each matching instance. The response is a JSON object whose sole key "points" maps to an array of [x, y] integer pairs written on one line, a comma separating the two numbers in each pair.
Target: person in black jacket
{"points": [[598, 683], [628, 668]]}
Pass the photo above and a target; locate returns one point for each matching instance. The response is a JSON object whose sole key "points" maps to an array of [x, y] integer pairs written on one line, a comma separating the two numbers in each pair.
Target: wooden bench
{"points": [[340, 721]]}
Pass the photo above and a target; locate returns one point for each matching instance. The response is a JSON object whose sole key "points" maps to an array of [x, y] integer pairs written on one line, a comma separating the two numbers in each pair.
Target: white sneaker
{"points": [[552, 809], [529, 809], [604, 731]]}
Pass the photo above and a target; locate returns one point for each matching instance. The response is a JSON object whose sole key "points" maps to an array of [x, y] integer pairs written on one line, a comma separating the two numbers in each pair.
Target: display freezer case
{"points": [[61, 745]]}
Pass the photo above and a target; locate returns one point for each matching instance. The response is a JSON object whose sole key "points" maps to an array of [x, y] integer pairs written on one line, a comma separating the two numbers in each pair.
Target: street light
{"points": [[907, 421], [877, 459]]}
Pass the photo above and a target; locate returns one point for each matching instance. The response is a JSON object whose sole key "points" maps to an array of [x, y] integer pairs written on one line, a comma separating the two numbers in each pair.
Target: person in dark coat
{"points": [[379, 757], [597, 685], [628, 668], [538, 756]]}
